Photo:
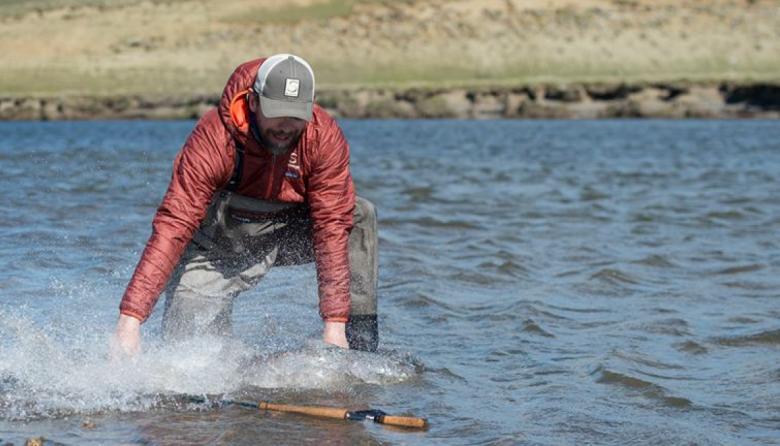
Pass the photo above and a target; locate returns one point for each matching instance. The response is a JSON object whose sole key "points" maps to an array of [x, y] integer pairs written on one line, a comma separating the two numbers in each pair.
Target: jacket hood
{"points": [[233, 108]]}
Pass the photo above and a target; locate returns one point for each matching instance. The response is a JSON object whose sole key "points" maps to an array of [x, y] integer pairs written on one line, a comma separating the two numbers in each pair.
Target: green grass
{"points": [[65, 81], [317, 11], [173, 81], [440, 74], [291, 14], [17, 8]]}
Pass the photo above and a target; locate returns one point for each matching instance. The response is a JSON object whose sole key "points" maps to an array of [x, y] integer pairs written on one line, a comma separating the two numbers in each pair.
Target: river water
{"points": [[542, 282]]}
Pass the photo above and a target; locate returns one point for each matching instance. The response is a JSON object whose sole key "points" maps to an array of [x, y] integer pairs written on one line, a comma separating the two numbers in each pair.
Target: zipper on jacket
{"points": [[272, 177]]}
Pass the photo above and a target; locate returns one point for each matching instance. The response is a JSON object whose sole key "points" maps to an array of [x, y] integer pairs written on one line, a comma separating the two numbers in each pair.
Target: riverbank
{"points": [[578, 101], [89, 59]]}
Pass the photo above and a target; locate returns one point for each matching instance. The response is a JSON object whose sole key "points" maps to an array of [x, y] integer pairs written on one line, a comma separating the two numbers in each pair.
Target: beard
{"points": [[278, 142]]}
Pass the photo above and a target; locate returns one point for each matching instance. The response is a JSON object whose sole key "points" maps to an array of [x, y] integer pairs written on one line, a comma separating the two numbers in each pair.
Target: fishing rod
{"points": [[377, 416]]}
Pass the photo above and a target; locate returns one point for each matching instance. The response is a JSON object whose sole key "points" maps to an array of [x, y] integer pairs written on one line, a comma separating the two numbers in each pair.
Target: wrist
{"points": [[128, 324], [335, 333]]}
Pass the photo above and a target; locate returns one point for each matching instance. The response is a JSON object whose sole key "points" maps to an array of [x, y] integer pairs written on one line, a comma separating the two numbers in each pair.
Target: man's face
{"points": [[278, 135]]}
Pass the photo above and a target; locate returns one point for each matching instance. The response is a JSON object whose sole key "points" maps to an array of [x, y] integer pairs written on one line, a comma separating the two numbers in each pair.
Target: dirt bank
{"points": [[395, 58], [580, 101]]}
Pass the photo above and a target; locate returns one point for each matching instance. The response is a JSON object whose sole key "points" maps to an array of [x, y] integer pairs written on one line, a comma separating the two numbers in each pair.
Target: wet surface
{"points": [[611, 282]]}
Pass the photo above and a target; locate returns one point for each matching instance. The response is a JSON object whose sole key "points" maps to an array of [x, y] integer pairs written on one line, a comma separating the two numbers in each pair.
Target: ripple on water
{"points": [[447, 374], [743, 320], [422, 300], [614, 276], [473, 277], [645, 388], [419, 193], [691, 347], [752, 286], [647, 361], [767, 337], [506, 268], [530, 326], [543, 310], [725, 215], [740, 269], [591, 193], [442, 223], [501, 355], [655, 261], [670, 326]]}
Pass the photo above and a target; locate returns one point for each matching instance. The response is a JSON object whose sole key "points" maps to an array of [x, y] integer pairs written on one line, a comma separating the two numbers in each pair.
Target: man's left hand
{"points": [[335, 333]]}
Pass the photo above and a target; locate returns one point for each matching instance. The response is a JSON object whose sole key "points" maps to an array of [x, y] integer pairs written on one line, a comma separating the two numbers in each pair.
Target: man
{"points": [[262, 180]]}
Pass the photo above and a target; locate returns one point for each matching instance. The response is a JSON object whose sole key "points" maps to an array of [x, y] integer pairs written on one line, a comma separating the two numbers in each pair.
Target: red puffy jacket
{"points": [[316, 172]]}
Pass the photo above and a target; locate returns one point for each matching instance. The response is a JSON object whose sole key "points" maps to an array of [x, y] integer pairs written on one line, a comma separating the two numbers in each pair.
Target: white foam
{"points": [[47, 372], [319, 366]]}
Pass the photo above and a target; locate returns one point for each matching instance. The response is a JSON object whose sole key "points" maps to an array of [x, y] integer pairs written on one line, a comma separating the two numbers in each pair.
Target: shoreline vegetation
{"points": [[166, 59]]}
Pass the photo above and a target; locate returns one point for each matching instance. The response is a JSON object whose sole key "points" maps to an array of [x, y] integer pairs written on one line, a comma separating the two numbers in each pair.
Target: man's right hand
{"points": [[127, 338]]}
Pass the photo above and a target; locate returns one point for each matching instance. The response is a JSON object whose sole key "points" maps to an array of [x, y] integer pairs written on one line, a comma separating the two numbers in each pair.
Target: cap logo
{"points": [[291, 87]]}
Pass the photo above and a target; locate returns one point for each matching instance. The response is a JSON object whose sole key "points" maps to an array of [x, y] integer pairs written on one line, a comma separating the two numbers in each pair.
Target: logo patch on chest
{"points": [[293, 167]]}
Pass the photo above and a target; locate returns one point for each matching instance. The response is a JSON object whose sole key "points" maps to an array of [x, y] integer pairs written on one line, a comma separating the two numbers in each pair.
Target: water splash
{"points": [[44, 375], [319, 366]]}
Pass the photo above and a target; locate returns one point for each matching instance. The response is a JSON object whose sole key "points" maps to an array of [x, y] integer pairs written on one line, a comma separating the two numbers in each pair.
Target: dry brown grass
{"points": [[106, 47]]}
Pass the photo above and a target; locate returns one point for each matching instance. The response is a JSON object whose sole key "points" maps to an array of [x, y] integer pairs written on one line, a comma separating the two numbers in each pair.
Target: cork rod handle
{"points": [[391, 420], [317, 411]]}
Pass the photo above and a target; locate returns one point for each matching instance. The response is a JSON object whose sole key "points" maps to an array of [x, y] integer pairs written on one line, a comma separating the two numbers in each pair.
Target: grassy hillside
{"points": [[172, 47]]}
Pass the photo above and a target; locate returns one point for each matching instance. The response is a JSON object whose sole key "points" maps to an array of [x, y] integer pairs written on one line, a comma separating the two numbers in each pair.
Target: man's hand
{"points": [[127, 338], [335, 333]]}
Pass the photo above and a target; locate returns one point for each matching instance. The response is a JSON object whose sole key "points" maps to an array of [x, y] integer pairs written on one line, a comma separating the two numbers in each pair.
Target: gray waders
{"points": [[240, 239]]}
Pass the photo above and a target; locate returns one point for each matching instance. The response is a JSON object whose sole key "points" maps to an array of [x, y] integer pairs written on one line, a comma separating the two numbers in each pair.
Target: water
{"points": [[611, 282]]}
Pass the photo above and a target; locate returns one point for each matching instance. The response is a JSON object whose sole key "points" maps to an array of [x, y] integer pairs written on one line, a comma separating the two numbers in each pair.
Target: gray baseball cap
{"points": [[285, 85]]}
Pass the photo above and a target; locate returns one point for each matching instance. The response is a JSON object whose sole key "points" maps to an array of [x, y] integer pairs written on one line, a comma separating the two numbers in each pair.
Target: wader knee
{"points": [[362, 328]]}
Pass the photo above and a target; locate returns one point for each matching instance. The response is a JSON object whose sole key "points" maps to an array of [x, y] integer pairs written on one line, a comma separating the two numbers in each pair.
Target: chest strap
{"points": [[238, 168], [235, 180]]}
